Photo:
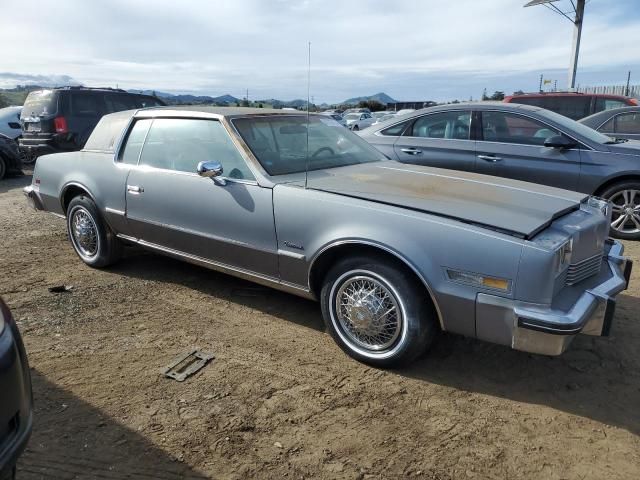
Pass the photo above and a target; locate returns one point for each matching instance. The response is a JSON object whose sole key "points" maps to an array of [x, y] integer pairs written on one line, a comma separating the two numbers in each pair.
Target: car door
{"points": [[512, 145], [170, 207], [440, 139]]}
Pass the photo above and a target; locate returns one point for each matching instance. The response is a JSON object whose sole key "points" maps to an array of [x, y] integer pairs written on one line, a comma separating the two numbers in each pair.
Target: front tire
{"points": [[377, 312], [625, 201], [3, 168], [90, 236], [355, 128]]}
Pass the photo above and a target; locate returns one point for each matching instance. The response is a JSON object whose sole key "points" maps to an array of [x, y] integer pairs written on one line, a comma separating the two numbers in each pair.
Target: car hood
{"points": [[632, 147], [517, 208]]}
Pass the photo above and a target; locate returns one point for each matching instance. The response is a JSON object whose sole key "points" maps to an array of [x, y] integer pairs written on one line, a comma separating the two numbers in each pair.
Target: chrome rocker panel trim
{"points": [[224, 268]]}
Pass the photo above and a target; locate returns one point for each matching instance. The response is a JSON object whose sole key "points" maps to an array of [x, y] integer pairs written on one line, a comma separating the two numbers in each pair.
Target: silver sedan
{"points": [[394, 253]]}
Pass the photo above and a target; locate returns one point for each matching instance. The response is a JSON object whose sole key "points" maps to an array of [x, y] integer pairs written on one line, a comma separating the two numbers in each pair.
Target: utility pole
{"points": [[578, 11], [626, 90], [575, 50], [541, 78]]}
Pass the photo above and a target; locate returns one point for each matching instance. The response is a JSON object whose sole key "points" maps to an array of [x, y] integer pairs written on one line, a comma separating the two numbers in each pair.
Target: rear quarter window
{"points": [[107, 133]]}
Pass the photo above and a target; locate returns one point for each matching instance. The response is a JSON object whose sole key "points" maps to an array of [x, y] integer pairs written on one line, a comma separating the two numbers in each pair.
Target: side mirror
{"points": [[560, 142], [14, 125], [211, 170]]}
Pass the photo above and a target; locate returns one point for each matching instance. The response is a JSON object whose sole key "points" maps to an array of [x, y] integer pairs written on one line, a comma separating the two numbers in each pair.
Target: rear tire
{"points": [[90, 236], [377, 312], [625, 219]]}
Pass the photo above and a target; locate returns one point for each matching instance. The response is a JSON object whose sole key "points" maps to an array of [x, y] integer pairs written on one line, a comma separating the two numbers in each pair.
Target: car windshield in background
{"points": [[352, 116], [39, 103], [579, 128], [280, 143]]}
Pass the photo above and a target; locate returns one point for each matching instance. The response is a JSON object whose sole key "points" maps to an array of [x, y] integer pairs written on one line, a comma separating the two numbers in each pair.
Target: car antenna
{"points": [[306, 168]]}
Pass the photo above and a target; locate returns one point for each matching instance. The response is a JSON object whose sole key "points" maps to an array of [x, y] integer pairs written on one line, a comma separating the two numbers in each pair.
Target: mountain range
{"points": [[173, 99]]}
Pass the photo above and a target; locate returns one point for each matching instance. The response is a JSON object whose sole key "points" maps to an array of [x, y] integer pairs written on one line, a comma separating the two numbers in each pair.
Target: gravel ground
{"points": [[280, 399]]}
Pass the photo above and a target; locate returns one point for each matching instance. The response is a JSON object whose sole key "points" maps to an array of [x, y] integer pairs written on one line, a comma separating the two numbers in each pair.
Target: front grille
{"points": [[576, 272]]}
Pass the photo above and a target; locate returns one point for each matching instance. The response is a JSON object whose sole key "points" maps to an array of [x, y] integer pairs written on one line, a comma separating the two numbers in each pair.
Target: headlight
{"points": [[477, 280], [563, 255], [600, 204]]}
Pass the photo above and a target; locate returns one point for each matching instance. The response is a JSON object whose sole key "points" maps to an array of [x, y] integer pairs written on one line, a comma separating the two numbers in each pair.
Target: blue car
{"points": [[15, 395]]}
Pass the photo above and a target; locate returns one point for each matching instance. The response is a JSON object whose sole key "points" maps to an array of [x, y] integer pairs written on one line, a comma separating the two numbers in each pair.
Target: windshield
{"points": [[280, 143], [40, 103], [352, 116], [579, 128]]}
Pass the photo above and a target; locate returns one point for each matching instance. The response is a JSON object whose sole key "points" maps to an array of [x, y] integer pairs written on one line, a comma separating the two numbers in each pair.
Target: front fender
{"points": [[308, 222]]}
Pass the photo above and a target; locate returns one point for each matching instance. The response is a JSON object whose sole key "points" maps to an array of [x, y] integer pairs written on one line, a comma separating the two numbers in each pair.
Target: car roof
{"points": [[213, 111], [606, 114]]}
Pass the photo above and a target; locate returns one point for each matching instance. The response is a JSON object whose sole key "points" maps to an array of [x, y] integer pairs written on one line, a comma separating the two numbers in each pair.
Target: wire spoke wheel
{"points": [[625, 206], [368, 313], [84, 233]]}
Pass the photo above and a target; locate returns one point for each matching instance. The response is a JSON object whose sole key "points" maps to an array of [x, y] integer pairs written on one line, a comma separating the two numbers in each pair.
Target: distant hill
{"points": [[172, 99], [379, 97]]}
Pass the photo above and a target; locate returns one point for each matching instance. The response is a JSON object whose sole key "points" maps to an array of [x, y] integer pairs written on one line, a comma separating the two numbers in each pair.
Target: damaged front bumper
{"points": [[549, 329]]}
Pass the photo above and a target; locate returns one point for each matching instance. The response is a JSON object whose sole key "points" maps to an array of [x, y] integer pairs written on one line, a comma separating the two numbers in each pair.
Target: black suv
{"points": [[61, 119]]}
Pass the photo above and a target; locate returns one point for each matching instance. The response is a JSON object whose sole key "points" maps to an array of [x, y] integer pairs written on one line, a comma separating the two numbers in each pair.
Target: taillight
{"points": [[634, 101], [60, 124]]}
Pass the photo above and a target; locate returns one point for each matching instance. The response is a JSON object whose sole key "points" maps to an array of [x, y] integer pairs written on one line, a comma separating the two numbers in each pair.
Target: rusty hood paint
{"points": [[518, 208]]}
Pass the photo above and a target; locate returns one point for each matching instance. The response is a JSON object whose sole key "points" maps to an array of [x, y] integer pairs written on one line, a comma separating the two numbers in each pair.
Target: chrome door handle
{"points": [[135, 189], [412, 151], [490, 158]]}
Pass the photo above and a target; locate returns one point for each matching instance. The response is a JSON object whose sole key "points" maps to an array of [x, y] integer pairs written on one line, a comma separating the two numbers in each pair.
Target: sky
{"points": [[411, 50]]}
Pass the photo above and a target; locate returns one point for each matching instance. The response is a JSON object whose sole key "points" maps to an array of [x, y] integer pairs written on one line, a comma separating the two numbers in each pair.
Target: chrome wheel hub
{"points": [[626, 211], [84, 233], [368, 313]]}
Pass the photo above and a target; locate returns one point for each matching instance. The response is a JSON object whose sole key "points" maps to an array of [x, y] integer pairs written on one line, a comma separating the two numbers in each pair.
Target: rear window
{"points": [[40, 103], [107, 133]]}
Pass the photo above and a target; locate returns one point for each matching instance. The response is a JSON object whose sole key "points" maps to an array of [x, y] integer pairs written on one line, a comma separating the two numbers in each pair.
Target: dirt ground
{"points": [[281, 400]]}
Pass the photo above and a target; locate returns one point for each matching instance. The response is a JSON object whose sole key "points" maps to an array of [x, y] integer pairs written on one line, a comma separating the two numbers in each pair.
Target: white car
{"points": [[10, 122], [405, 111], [358, 121]]}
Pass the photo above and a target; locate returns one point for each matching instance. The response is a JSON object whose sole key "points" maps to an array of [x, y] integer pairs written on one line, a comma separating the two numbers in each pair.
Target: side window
{"points": [[133, 144], [608, 126], [451, 125], [574, 107], [512, 128], [118, 103], [181, 143], [628, 123], [84, 104], [608, 104], [395, 130]]}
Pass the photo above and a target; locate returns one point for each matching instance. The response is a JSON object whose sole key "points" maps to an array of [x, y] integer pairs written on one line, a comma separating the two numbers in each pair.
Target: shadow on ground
{"points": [[597, 378], [14, 181], [149, 266], [72, 439]]}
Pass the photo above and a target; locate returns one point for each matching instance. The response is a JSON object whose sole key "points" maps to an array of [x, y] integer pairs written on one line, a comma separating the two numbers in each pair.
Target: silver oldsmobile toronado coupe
{"points": [[393, 252]]}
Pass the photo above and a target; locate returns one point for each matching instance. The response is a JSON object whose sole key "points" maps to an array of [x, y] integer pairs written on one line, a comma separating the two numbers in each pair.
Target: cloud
{"points": [[10, 79], [405, 48]]}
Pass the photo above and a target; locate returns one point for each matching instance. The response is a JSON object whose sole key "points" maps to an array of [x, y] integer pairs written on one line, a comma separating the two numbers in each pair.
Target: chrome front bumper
{"points": [[549, 329], [33, 197]]}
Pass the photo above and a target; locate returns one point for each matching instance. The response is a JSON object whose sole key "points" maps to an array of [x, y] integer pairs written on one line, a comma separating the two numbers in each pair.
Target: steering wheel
{"points": [[322, 149]]}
